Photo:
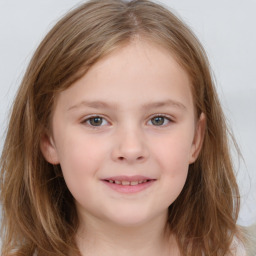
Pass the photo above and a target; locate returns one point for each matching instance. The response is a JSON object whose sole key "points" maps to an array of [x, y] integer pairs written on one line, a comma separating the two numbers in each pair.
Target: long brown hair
{"points": [[38, 210]]}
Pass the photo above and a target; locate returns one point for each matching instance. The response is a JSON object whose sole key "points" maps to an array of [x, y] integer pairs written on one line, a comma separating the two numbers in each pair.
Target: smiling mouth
{"points": [[128, 183]]}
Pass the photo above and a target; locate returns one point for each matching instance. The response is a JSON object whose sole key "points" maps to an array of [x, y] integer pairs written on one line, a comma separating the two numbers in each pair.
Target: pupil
{"points": [[96, 121], [158, 120]]}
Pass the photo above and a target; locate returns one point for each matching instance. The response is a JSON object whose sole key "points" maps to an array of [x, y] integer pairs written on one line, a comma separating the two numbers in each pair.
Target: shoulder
{"points": [[249, 234], [237, 248]]}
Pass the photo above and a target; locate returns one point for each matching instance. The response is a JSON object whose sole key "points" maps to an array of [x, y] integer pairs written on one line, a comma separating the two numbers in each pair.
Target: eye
{"points": [[160, 120], [95, 121]]}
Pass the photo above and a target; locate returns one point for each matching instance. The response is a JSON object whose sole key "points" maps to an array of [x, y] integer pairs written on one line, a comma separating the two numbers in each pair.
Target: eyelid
{"points": [[87, 118], [171, 118], [168, 117]]}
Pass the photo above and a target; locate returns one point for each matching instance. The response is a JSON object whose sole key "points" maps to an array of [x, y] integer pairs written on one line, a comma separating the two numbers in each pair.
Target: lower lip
{"points": [[129, 188]]}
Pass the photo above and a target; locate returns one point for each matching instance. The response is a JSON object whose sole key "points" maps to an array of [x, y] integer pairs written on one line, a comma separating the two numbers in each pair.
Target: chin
{"points": [[131, 218]]}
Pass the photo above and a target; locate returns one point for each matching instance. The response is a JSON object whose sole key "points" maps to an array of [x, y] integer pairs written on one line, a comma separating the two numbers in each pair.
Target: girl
{"points": [[117, 144]]}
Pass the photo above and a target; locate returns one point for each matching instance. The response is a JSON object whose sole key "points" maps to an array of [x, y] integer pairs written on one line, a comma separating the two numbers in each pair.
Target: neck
{"points": [[151, 238]]}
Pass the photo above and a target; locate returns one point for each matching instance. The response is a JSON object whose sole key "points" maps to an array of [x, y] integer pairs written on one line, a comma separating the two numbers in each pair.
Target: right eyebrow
{"points": [[92, 104]]}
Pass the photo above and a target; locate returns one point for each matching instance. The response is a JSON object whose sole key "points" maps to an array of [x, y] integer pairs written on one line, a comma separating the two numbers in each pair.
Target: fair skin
{"points": [[131, 120]]}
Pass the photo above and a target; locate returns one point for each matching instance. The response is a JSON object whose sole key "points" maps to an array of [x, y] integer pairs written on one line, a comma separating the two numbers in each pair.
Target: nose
{"points": [[130, 147]]}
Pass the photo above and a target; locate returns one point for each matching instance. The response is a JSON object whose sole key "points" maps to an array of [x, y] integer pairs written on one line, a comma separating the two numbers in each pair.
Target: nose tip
{"points": [[130, 148]]}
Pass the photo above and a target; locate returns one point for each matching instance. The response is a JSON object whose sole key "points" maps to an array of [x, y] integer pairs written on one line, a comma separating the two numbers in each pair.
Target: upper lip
{"points": [[128, 178]]}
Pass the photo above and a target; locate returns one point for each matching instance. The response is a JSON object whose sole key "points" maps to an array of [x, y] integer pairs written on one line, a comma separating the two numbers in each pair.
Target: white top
{"points": [[237, 248]]}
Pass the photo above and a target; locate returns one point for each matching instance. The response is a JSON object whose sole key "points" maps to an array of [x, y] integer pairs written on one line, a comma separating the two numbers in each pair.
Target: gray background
{"points": [[225, 27]]}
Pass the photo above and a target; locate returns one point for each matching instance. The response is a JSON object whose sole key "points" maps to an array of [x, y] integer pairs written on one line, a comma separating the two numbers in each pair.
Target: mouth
{"points": [[128, 184]]}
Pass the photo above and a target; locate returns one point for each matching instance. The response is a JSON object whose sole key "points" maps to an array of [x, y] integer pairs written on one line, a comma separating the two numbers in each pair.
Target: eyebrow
{"points": [[106, 105], [165, 103]]}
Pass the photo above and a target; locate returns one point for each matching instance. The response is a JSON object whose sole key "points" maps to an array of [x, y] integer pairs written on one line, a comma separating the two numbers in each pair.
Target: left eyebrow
{"points": [[166, 103]]}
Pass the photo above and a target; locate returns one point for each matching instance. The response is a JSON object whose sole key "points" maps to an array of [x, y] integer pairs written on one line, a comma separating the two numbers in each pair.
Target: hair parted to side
{"points": [[38, 210]]}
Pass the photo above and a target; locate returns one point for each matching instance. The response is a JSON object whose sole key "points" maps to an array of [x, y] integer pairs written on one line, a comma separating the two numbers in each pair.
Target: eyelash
{"points": [[87, 120], [166, 118]]}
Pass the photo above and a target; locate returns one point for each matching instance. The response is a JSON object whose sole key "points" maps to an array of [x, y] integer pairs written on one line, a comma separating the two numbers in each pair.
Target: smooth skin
{"points": [[131, 114]]}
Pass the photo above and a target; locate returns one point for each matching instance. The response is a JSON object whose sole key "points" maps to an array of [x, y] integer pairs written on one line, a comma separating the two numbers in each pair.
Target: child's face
{"points": [[129, 120]]}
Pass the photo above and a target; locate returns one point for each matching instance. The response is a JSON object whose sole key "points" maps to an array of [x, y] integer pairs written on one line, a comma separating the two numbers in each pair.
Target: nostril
{"points": [[121, 158]]}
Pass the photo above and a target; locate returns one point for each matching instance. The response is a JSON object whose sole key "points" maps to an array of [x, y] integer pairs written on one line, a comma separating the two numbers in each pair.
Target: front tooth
{"points": [[134, 183], [118, 182], [125, 183], [140, 181]]}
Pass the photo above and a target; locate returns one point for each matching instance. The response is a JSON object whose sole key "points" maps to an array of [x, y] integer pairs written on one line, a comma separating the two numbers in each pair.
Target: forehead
{"points": [[151, 55], [137, 72]]}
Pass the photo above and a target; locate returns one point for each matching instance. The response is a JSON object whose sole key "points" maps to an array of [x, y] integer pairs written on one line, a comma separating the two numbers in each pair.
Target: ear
{"points": [[48, 149], [198, 138]]}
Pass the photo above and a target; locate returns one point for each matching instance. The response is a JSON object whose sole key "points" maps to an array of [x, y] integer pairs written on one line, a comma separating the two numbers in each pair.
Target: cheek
{"points": [[172, 152], [79, 159], [75, 148], [174, 175], [174, 165], [172, 158]]}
